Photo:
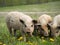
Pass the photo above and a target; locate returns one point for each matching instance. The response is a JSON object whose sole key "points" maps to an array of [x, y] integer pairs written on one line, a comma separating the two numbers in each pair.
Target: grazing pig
{"points": [[43, 22], [19, 21], [55, 26]]}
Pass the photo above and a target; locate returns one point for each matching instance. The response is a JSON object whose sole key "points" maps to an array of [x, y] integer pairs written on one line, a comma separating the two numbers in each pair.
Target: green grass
{"points": [[7, 39], [46, 7]]}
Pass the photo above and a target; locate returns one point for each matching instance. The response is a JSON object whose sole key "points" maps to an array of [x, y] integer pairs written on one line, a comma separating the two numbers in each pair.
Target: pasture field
{"points": [[7, 39]]}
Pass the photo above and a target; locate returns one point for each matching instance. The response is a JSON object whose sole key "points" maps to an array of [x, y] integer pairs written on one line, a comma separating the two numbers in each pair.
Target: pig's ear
{"points": [[39, 25], [50, 24], [34, 21], [22, 21]]}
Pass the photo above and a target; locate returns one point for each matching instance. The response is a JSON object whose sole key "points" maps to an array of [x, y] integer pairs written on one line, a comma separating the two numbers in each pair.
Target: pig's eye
{"points": [[31, 25], [25, 26]]}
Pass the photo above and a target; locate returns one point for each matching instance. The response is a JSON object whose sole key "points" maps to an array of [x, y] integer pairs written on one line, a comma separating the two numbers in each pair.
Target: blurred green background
{"points": [[23, 2]]}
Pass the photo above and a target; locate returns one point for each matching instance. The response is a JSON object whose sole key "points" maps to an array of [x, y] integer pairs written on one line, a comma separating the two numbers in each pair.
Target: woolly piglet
{"points": [[19, 21], [42, 23], [55, 26]]}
